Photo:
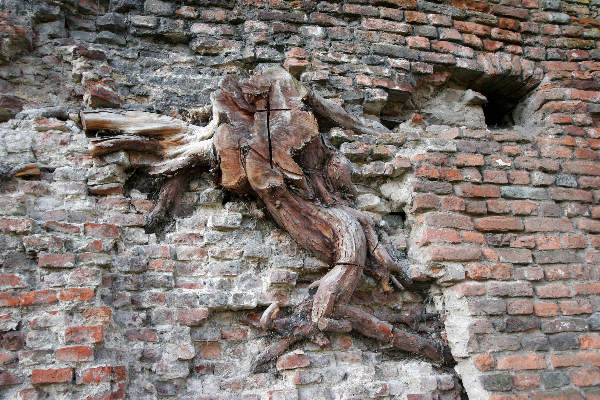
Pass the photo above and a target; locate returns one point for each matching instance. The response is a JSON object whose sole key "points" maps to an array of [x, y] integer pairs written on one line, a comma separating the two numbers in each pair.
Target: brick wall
{"points": [[500, 227]]}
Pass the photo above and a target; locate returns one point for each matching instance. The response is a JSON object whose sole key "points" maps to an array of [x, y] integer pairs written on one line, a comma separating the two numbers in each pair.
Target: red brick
{"points": [[505, 35], [586, 377], [9, 299], [447, 220], [581, 167], [104, 231], [587, 288], [590, 341], [292, 361], [557, 273], [499, 224], [97, 314], [495, 176], [60, 375], [141, 334], [452, 203], [56, 260], [575, 360], [484, 362], [472, 27], [96, 375], [75, 354], [511, 289], [472, 237], [469, 289], [192, 316], [76, 294], [450, 174], [468, 190], [84, 334], [454, 253], [11, 281], [553, 291], [492, 45], [522, 362], [469, 160], [545, 309], [542, 224], [525, 381], [524, 207], [556, 394], [566, 194], [519, 177], [575, 307], [588, 225], [16, 225], [8, 378], [38, 297], [519, 307], [513, 12], [438, 236], [574, 241], [238, 334], [414, 16], [417, 42], [210, 350]]}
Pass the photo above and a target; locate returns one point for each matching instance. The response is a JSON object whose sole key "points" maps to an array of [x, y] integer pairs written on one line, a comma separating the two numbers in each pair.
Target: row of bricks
{"points": [[526, 289]]}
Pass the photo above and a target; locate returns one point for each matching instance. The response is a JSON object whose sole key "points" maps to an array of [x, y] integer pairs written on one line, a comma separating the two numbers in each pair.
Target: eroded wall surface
{"points": [[497, 222]]}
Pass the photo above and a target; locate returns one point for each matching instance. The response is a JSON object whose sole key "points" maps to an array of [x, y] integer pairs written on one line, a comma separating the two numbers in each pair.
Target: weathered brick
{"points": [[511, 289], [499, 224], [469, 190], [454, 253], [586, 377], [548, 225], [84, 334], [60, 375], [56, 260], [192, 317], [75, 354], [447, 220], [522, 362]]}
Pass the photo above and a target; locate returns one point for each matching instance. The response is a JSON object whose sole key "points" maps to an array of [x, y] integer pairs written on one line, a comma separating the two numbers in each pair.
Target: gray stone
{"points": [[158, 7], [553, 380], [523, 192], [566, 181]]}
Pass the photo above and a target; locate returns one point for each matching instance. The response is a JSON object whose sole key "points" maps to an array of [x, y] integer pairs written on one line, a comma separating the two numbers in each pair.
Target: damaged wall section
{"points": [[497, 218]]}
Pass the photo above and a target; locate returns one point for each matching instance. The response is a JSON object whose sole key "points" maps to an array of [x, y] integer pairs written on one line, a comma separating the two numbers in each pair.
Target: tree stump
{"points": [[264, 140]]}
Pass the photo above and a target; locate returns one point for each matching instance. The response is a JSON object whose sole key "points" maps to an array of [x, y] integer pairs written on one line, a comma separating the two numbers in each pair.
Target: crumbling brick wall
{"points": [[498, 225]]}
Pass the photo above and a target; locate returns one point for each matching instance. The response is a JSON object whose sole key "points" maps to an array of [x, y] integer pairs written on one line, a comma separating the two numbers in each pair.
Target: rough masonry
{"points": [[487, 188]]}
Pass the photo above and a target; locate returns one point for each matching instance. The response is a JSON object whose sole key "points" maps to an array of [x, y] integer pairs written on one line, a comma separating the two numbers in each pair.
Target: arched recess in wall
{"points": [[502, 96]]}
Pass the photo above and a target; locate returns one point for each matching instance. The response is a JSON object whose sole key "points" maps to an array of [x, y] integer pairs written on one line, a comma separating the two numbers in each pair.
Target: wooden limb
{"points": [[335, 288], [302, 331], [133, 122], [125, 142], [333, 111], [413, 343], [370, 326], [365, 323], [200, 154], [7, 172], [385, 263], [169, 196]]}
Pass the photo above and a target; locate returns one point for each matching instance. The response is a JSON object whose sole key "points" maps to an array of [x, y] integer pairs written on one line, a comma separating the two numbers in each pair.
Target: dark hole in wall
{"points": [[395, 219], [498, 110]]}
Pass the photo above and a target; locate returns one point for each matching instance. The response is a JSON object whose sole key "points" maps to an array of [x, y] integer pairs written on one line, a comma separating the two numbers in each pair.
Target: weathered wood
{"points": [[265, 143], [133, 122]]}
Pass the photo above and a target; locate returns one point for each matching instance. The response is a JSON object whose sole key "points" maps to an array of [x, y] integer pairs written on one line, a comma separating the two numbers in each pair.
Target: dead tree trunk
{"points": [[265, 143]]}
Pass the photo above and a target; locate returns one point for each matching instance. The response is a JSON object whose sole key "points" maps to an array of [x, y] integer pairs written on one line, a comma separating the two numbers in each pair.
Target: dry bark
{"points": [[264, 142]]}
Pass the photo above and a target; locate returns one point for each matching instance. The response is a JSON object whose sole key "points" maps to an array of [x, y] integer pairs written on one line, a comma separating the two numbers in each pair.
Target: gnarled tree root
{"points": [[346, 318]]}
